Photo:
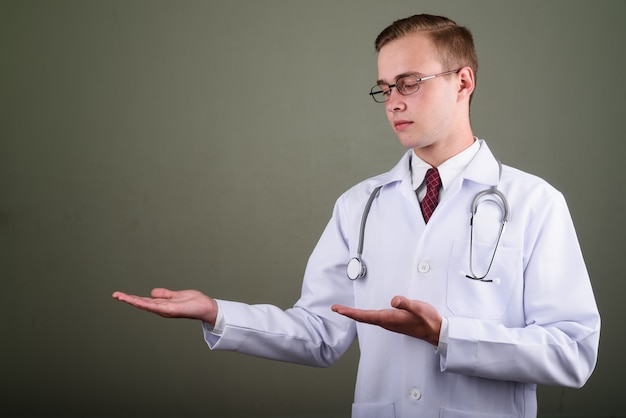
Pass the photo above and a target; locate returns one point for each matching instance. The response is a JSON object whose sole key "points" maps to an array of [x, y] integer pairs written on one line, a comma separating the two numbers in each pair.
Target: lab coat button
{"points": [[415, 394], [423, 267]]}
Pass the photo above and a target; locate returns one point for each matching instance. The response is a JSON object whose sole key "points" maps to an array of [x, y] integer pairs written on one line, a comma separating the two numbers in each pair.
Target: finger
{"points": [[124, 297], [338, 308], [158, 306], [414, 307], [160, 292], [347, 311], [137, 301], [342, 310], [360, 315]]}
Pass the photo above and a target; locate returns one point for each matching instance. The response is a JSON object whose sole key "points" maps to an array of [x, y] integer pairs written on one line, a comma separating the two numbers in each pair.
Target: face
{"points": [[436, 118]]}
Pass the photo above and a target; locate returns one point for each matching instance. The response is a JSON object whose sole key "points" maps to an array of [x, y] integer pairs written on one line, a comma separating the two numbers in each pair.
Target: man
{"points": [[454, 318]]}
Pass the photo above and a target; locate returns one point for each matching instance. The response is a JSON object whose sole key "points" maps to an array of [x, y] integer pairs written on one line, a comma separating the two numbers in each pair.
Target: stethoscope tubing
{"points": [[505, 218], [356, 268]]}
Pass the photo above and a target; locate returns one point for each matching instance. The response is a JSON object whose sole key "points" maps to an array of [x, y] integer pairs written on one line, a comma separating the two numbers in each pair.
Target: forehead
{"points": [[414, 53]]}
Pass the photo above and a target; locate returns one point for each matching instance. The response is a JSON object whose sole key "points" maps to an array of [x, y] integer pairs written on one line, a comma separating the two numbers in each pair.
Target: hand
{"points": [[410, 317], [174, 304]]}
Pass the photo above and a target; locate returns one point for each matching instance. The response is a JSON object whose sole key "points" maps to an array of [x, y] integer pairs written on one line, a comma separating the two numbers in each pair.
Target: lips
{"points": [[401, 124]]}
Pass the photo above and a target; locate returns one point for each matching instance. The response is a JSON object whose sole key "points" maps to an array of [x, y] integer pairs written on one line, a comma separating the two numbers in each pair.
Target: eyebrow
{"points": [[415, 73]]}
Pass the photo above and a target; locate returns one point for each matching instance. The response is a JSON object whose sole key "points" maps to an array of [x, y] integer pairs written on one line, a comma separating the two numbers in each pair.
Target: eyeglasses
{"points": [[406, 85]]}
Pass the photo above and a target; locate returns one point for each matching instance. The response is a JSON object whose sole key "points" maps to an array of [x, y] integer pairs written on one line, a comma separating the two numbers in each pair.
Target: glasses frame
{"points": [[377, 93]]}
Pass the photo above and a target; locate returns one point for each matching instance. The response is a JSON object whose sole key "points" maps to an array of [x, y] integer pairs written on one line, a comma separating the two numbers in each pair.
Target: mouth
{"points": [[401, 124]]}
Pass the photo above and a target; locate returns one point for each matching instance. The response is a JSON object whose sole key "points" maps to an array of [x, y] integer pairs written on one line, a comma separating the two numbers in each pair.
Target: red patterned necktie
{"points": [[430, 201]]}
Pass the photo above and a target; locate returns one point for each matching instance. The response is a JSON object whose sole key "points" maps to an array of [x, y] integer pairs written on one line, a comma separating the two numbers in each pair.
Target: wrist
{"points": [[210, 314]]}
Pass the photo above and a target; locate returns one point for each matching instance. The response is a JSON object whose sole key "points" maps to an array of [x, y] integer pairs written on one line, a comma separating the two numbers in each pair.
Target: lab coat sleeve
{"points": [[308, 333], [558, 344]]}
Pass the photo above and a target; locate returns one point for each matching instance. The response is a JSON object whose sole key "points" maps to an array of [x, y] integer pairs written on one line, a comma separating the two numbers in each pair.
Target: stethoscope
{"points": [[356, 268]]}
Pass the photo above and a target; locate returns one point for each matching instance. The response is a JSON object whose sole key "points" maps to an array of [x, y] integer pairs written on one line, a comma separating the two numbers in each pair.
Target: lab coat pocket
{"points": [[373, 410], [481, 299], [455, 413]]}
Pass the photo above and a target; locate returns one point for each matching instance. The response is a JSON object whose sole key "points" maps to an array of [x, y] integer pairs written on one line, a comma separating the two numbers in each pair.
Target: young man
{"points": [[454, 317]]}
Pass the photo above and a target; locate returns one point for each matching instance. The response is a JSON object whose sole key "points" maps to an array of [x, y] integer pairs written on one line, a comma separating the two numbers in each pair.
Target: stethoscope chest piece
{"points": [[356, 269]]}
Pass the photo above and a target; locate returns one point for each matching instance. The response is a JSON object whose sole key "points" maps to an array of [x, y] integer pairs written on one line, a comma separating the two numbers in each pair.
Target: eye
{"points": [[408, 84], [384, 89]]}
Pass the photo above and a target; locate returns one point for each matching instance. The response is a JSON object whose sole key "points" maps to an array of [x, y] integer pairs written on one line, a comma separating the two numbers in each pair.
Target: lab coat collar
{"points": [[483, 169], [401, 172]]}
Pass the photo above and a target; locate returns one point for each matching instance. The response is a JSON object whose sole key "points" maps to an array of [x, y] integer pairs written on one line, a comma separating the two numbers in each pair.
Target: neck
{"points": [[441, 151]]}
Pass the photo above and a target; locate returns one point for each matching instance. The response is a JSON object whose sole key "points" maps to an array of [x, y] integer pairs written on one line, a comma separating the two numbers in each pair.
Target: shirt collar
{"points": [[448, 170]]}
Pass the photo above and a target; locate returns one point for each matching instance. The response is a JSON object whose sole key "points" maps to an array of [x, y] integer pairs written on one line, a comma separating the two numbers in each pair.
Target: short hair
{"points": [[454, 43]]}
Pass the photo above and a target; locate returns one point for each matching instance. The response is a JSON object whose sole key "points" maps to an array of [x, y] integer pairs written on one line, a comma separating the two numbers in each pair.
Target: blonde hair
{"points": [[454, 43]]}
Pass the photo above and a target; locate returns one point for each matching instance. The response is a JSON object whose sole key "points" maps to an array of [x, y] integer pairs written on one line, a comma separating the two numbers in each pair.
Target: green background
{"points": [[202, 144]]}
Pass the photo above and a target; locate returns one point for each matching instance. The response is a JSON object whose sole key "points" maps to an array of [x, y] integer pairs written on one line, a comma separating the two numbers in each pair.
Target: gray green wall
{"points": [[201, 144]]}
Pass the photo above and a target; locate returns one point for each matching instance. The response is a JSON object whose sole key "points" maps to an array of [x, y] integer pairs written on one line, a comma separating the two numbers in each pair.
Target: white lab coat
{"points": [[540, 324]]}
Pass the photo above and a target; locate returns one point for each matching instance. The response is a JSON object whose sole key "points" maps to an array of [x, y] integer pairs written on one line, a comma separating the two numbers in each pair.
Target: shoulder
{"points": [[521, 181], [360, 192], [532, 198]]}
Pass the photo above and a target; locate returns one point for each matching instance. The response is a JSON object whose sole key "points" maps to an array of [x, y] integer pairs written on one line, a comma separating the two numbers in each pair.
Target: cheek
{"points": [[436, 109], [389, 115]]}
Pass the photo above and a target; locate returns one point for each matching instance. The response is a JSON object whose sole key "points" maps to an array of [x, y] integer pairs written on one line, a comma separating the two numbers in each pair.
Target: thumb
{"points": [[400, 302], [162, 293]]}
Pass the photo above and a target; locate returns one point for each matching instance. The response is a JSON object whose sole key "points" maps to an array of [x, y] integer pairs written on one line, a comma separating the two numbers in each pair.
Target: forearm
{"points": [[561, 354], [295, 335]]}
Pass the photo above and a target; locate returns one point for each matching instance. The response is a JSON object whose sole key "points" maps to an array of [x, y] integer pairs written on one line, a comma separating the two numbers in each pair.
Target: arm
{"points": [[558, 343], [309, 333]]}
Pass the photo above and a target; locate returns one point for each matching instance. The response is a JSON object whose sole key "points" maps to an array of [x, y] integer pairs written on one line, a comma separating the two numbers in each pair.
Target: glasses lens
{"points": [[380, 94], [408, 85]]}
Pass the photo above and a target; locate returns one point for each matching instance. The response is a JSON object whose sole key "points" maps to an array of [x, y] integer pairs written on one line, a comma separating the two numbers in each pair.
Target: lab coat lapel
{"points": [[483, 168], [401, 173]]}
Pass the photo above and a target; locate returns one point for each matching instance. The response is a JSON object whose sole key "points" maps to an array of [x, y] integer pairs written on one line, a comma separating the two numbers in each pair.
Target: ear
{"points": [[467, 82]]}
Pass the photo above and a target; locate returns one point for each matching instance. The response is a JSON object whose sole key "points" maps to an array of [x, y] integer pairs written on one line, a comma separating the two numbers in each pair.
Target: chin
{"points": [[405, 140], [410, 143]]}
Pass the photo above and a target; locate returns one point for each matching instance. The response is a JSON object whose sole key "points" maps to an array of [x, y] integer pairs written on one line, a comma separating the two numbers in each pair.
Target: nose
{"points": [[396, 101]]}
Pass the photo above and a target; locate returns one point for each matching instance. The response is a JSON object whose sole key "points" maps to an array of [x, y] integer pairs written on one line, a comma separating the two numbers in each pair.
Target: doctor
{"points": [[452, 319]]}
